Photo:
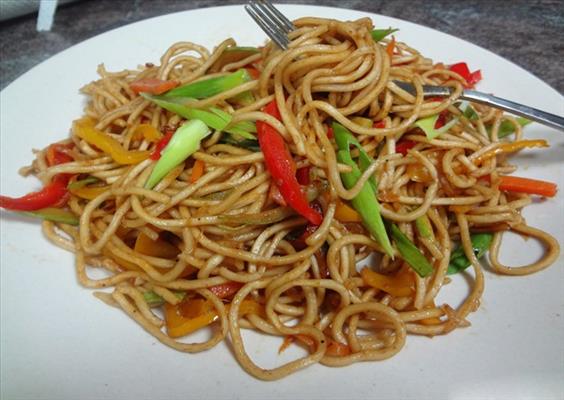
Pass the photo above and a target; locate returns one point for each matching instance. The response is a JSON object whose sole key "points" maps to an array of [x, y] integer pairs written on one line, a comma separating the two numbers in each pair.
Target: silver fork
{"points": [[277, 26]]}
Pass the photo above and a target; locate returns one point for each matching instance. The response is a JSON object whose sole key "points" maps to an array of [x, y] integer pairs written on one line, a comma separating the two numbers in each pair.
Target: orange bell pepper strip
{"points": [[391, 46], [510, 148], [399, 285], [345, 213], [84, 129], [188, 316]]}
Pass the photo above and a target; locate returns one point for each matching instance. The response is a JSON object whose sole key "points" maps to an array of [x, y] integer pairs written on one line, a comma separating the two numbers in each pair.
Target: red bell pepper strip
{"points": [[227, 289], [49, 196], [462, 69], [281, 166], [404, 145], [56, 154], [303, 176], [152, 85], [161, 144]]}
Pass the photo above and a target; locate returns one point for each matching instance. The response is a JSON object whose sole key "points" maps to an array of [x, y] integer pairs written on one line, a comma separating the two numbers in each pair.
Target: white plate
{"points": [[58, 341]]}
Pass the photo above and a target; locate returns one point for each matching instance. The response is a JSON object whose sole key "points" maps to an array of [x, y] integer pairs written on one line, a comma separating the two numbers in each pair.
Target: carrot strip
{"points": [[197, 171], [526, 185]]}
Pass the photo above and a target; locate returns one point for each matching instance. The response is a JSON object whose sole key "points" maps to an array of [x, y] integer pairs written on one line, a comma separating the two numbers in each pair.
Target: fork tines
{"points": [[271, 21]]}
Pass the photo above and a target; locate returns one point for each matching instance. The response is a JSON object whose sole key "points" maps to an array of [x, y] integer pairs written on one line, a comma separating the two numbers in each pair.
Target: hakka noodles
{"points": [[300, 193]]}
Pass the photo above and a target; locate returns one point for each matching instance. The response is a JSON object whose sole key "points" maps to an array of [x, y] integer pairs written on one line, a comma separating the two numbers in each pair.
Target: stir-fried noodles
{"points": [[335, 230]]}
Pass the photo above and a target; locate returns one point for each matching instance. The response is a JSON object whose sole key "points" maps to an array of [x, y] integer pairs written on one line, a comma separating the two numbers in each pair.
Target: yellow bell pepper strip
{"points": [[459, 262], [231, 55], [399, 285], [84, 129], [249, 306], [89, 193], [53, 214], [212, 86], [188, 316], [81, 189], [379, 34], [510, 147], [345, 213], [365, 202], [184, 143], [192, 314], [410, 253], [148, 132]]}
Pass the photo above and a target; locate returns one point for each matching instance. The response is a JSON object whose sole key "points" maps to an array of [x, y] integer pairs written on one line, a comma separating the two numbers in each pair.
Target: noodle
{"points": [[224, 228]]}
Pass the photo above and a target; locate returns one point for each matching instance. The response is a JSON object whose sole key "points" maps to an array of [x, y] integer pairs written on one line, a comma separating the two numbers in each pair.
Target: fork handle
{"points": [[542, 117]]}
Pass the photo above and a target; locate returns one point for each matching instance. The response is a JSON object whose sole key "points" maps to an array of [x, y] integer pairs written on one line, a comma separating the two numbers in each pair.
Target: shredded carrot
{"points": [[152, 85], [288, 340], [526, 185], [391, 46], [197, 171], [336, 349]]}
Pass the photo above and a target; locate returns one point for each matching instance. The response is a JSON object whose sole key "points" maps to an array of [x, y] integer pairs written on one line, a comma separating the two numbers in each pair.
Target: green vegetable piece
{"points": [[427, 124], [345, 140], [154, 300], [212, 86], [248, 144], [379, 34], [424, 226], [84, 182], [411, 254], [365, 202], [506, 128], [179, 106], [213, 117], [470, 113], [480, 244], [184, 143], [53, 214]]}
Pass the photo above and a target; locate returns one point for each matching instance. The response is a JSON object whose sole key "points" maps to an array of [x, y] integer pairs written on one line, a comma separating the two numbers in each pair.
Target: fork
{"points": [[277, 27]]}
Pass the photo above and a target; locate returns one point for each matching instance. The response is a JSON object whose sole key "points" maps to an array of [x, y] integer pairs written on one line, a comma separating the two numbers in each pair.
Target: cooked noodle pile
{"points": [[225, 226]]}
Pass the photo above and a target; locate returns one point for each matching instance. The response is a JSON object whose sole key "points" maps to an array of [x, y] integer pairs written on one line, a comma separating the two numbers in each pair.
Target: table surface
{"points": [[530, 33]]}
